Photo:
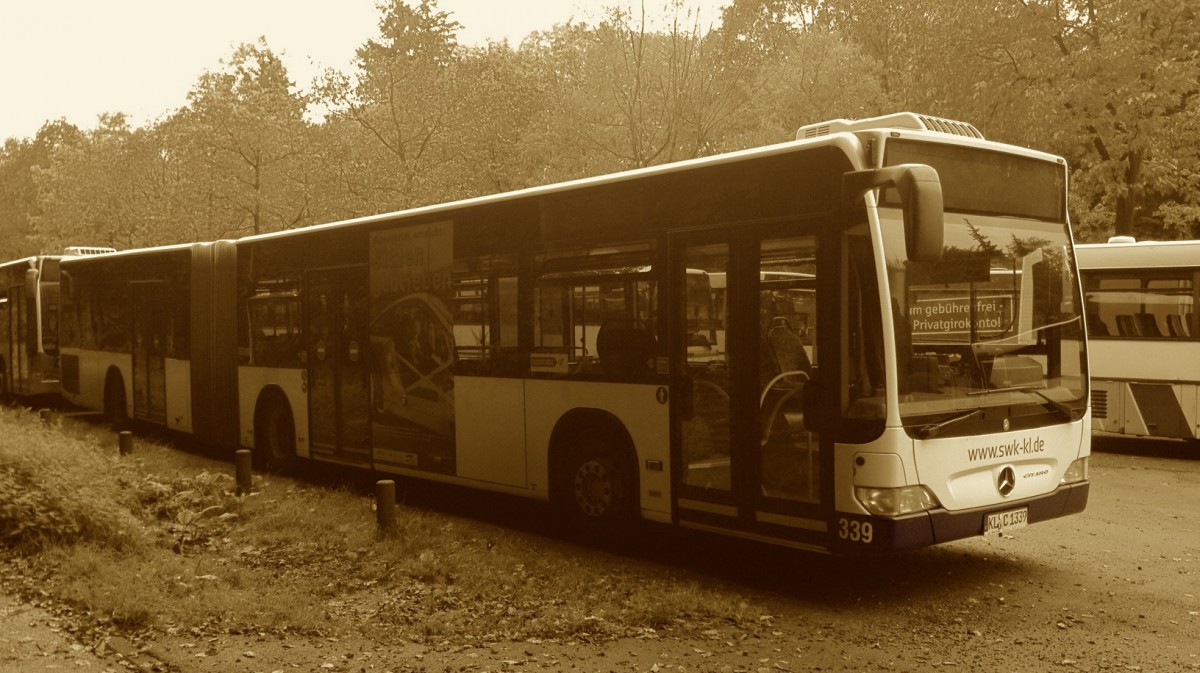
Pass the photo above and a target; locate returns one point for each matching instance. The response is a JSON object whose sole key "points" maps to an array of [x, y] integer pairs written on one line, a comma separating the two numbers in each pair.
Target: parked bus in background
{"points": [[1140, 300], [29, 299], [547, 342]]}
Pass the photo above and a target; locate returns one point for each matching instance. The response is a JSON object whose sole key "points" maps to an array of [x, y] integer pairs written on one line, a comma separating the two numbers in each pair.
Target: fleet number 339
{"points": [[855, 530]]}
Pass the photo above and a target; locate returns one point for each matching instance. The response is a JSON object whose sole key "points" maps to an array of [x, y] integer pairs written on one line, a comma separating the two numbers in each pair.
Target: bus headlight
{"points": [[895, 501], [1076, 471]]}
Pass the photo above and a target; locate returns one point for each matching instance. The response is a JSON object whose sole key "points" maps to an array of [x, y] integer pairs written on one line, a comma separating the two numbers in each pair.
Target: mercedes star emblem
{"points": [[1007, 481]]}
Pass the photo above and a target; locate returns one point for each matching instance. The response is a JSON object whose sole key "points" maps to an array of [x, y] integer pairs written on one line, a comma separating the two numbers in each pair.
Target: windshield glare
{"points": [[994, 323]]}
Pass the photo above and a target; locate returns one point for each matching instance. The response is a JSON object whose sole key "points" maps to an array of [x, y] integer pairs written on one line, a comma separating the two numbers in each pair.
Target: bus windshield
{"points": [[995, 324]]}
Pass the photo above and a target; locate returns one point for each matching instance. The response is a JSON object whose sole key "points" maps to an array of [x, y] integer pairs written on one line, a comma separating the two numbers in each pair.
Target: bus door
{"points": [[336, 304], [743, 352], [149, 351]]}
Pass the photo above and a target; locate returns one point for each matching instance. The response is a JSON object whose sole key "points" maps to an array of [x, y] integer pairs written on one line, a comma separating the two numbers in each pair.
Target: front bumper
{"points": [[937, 526]]}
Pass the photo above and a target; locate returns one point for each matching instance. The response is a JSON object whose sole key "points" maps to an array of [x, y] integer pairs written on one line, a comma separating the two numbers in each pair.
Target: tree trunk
{"points": [[1123, 226]]}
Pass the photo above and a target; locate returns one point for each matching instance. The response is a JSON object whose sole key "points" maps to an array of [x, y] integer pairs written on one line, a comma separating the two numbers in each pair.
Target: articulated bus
{"points": [[867, 390], [1140, 300], [29, 298]]}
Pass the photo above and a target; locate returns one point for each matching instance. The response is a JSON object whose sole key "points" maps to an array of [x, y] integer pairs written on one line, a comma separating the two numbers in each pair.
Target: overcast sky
{"points": [[76, 59]]}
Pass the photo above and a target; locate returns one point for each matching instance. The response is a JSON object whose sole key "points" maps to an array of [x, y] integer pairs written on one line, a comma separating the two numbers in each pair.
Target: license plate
{"points": [[1004, 521]]}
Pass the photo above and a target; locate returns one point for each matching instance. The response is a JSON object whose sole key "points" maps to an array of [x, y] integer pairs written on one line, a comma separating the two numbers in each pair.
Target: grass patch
{"points": [[159, 540], [57, 489]]}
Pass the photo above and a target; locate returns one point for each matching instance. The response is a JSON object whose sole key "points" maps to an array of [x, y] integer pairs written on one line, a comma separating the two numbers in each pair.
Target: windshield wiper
{"points": [[1066, 411], [934, 429]]}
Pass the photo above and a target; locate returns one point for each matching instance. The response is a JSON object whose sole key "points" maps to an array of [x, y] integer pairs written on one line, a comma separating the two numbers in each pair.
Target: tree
{"points": [[816, 76], [1109, 84], [982, 61], [499, 139], [405, 107], [90, 193], [20, 162], [241, 142], [1129, 92]]}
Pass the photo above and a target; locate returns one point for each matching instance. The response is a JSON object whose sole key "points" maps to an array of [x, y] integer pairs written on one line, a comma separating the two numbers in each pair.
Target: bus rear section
{"points": [[1142, 333], [148, 335]]}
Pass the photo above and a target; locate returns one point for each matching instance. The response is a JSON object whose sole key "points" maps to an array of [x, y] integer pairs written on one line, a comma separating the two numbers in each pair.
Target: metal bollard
{"points": [[385, 505], [241, 463], [125, 442]]}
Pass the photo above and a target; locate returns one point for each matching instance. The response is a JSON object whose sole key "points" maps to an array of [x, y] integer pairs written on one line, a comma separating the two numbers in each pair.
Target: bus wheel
{"points": [[114, 401], [596, 490], [274, 434]]}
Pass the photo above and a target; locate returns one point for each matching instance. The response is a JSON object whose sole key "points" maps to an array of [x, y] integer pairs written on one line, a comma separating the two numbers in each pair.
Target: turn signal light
{"points": [[1076, 471]]}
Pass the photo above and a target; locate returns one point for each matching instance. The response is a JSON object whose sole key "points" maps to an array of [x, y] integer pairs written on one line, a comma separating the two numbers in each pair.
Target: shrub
{"points": [[56, 489]]}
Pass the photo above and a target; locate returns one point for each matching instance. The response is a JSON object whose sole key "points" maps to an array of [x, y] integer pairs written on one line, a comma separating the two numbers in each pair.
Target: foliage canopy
{"points": [[1112, 85]]}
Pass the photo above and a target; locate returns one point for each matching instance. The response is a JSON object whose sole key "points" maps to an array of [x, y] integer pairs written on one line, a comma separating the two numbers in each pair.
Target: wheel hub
{"points": [[593, 489]]}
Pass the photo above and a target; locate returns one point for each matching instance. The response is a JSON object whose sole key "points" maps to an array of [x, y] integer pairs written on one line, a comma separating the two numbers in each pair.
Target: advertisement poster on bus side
{"points": [[412, 342]]}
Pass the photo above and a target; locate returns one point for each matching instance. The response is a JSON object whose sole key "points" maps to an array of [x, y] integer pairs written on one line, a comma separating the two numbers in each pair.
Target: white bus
{"points": [[28, 322], [29, 300], [1140, 300], [545, 342]]}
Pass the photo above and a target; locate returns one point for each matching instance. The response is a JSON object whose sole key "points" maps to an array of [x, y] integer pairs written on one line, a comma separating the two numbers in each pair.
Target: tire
{"points": [[274, 434], [115, 408], [596, 490]]}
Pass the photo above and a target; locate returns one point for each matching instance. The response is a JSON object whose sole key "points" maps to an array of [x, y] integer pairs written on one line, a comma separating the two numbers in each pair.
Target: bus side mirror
{"points": [[920, 200]]}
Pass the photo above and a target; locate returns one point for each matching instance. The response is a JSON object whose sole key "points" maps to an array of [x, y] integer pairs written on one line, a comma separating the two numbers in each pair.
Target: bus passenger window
{"points": [[112, 317], [551, 352], [1121, 304], [595, 315], [276, 338], [485, 317], [625, 349]]}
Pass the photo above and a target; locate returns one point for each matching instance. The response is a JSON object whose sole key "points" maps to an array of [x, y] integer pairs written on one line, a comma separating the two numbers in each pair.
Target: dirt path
{"points": [[32, 639]]}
